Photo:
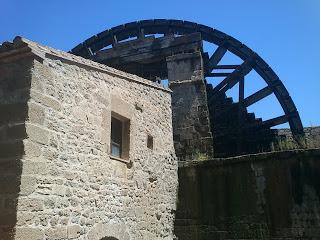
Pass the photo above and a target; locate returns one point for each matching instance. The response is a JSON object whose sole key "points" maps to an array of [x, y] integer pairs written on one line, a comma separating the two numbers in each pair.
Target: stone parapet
{"points": [[260, 196]]}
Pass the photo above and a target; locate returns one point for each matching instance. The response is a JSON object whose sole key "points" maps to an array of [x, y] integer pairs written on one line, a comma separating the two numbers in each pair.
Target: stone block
{"points": [[121, 107], [36, 113], [74, 231], [37, 134], [34, 167], [30, 233], [30, 204], [47, 101], [56, 233], [36, 82], [28, 185], [25, 218], [32, 149], [59, 190]]}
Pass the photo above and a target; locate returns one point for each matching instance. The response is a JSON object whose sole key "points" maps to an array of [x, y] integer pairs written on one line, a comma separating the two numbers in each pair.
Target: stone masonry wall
{"points": [[265, 196], [286, 140], [14, 94], [67, 186], [191, 124]]}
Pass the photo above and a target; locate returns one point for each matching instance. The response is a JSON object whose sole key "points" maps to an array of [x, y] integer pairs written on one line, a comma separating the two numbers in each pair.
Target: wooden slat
{"points": [[215, 58], [264, 92], [275, 121]]}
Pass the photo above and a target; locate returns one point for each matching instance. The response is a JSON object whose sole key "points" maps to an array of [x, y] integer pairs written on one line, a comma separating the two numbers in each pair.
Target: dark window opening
{"points": [[116, 137], [150, 142], [120, 134]]}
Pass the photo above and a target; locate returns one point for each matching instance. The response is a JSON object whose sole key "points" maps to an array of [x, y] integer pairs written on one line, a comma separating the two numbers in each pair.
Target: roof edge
{"points": [[22, 47]]}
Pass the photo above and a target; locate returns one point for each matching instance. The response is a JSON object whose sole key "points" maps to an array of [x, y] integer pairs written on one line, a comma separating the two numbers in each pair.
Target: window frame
{"points": [[125, 138]]}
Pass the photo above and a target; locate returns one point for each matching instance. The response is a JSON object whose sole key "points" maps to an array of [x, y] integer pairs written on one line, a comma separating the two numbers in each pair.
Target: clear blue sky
{"points": [[286, 33]]}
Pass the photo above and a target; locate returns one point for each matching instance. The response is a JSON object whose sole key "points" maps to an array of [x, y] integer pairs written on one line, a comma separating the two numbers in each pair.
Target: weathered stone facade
{"points": [[58, 180], [286, 140], [264, 196], [191, 124]]}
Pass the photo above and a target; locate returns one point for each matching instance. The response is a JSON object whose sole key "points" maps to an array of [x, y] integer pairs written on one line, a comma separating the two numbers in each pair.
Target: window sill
{"points": [[119, 159]]}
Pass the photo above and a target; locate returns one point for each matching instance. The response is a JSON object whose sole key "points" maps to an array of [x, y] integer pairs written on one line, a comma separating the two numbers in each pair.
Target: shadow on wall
{"points": [[14, 94], [264, 196]]}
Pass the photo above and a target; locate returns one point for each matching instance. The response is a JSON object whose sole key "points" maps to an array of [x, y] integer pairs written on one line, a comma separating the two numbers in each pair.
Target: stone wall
{"points": [[264, 196], [60, 181], [14, 95], [191, 124], [286, 140]]}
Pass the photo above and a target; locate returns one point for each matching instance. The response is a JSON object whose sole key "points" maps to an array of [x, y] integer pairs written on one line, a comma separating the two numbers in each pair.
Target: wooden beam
{"points": [[147, 57], [217, 74], [141, 33], [264, 92], [241, 90], [216, 58], [144, 48], [226, 66], [275, 121], [241, 97], [114, 40], [235, 76]]}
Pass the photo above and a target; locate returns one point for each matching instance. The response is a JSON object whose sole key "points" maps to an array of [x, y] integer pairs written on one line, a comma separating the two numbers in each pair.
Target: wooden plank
{"points": [[275, 121], [264, 92], [216, 58]]}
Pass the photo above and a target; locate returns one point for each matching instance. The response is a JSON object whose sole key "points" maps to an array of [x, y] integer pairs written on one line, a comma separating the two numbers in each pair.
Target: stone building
{"points": [[86, 151]]}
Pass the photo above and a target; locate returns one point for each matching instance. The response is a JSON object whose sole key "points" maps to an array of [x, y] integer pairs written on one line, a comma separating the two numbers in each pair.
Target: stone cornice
{"points": [[21, 48]]}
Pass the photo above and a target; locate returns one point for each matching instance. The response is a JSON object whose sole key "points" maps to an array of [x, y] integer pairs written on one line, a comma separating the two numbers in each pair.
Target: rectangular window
{"points": [[120, 133], [116, 137], [150, 142]]}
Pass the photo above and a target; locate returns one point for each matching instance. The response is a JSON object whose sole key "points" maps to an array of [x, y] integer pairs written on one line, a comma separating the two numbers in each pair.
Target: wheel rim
{"points": [[224, 43]]}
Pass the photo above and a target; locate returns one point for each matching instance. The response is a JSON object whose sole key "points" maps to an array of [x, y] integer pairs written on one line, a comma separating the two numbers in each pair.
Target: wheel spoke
{"points": [[235, 76], [264, 92], [275, 121], [216, 58]]}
